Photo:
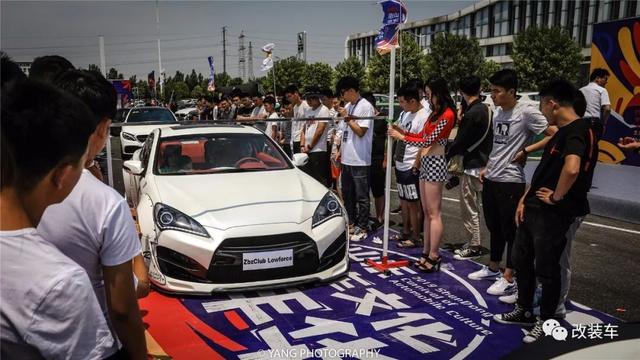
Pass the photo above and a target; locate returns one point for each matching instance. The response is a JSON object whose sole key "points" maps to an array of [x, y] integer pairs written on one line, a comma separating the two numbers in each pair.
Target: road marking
{"points": [[612, 227], [635, 232]]}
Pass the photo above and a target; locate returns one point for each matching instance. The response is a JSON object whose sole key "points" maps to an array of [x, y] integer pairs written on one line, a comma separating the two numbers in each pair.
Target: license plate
{"points": [[267, 259]]}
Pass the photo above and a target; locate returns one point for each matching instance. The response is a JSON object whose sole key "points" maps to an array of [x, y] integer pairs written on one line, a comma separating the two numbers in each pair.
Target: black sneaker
{"points": [[468, 253], [396, 211], [535, 334], [518, 316]]}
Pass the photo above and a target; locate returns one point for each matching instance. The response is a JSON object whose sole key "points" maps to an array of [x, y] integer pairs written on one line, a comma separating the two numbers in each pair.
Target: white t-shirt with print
{"points": [[596, 97], [93, 226], [311, 126], [270, 124], [49, 308], [414, 123], [296, 126], [356, 150], [512, 131]]}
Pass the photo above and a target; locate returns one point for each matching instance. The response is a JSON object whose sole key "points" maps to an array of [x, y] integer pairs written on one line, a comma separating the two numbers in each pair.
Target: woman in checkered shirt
{"points": [[433, 167]]}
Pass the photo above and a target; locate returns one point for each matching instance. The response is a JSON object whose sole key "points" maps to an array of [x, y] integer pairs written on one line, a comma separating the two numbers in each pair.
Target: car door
{"points": [[137, 183]]}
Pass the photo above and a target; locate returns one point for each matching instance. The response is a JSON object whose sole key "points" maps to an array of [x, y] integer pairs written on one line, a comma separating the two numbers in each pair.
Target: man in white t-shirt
{"points": [[94, 227], [300, 107], [412, 119], [49, 309], [272, 124], [597, 97], [313, 138], [515, 125], [258, 114], [355, 155]]}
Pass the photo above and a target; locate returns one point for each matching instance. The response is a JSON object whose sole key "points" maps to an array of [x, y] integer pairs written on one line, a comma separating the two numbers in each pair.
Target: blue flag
{"points": [[395, 13], [212, 73]]}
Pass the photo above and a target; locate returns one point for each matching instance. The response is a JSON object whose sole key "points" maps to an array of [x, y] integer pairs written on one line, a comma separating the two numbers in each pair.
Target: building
{"points": [[25, 66], [495, 22]]}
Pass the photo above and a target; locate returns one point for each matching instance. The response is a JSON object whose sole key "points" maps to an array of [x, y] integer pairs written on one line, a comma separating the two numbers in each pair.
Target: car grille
{"points": [[226, 265], [142, 138]]}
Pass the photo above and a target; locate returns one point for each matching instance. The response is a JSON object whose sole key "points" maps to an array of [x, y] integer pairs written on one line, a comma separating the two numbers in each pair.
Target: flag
{"points": [[162, 74], [267, 63], [395, 13], [212, 78], [151, 79]]}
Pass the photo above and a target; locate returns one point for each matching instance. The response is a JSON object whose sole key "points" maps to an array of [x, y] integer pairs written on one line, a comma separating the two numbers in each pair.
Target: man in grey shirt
{"points": [[597, 97], [515, 125]]}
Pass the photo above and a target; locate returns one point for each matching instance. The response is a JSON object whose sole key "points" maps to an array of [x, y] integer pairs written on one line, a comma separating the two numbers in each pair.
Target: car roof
{"points": [[207, 129]]}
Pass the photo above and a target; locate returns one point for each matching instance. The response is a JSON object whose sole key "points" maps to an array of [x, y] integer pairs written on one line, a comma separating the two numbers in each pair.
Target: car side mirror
{"points": [[115, 130], [300, 159], [134, 167]]}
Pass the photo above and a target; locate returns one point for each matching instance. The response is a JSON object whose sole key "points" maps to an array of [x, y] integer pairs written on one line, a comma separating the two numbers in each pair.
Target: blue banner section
{"points": [[212, 83], [395, 12], [404, 315]]}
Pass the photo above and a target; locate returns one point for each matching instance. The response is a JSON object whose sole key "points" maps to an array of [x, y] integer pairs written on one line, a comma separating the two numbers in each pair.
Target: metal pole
{"points": [[224, 49], [274, 76], [387, 189], [103, 68], [159, 56]]}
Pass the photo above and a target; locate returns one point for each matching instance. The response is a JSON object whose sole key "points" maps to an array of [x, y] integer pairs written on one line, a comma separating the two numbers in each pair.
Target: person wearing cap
{"points": [[313, 137]]}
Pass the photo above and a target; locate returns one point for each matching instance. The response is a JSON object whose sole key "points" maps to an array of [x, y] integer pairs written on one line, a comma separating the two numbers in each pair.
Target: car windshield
{"points": [[218, 153], [150, 114]]}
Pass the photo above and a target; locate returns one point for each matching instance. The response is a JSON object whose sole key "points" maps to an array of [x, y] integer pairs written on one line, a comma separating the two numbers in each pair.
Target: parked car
{"points": [[186, 113], [222, 208], [132, 137]]}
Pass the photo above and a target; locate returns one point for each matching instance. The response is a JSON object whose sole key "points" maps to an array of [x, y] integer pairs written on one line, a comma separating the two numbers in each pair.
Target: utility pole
{"points": [[103, 69], [241, 59], [250, 62], [159, 78], [224, 49]]}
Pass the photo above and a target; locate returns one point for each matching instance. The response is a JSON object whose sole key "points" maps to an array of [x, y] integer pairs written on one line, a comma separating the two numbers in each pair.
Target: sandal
{"points": [[435, 265], [399, 237], [407, 244], [422, 260]]}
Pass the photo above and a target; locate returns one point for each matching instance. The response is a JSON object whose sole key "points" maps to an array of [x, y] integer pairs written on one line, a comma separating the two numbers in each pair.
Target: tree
{"points": [[94, 67], [318, 74], [290, 70], [487, 69], [179, 77], [192, 80], [114, 74], [542, 54], [452, 57], [408, 59], [235, 81], [349, 67], [181, 91], [198, 92], [222, 79]]}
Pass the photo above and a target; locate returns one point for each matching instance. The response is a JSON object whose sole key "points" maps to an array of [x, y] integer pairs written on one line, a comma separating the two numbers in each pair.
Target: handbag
{"points": [[455, 165]]}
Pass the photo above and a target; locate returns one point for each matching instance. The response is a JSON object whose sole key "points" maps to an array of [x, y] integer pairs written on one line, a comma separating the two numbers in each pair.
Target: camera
{"points": [[453, 182]]}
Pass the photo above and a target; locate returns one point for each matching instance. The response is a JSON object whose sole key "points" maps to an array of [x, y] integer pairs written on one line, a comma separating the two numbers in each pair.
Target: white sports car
{"points": [[132, 137], [222, 208]]}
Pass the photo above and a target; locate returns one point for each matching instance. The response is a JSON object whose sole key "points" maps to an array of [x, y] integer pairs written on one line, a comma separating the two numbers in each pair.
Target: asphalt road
{"points": [[605, 255]]}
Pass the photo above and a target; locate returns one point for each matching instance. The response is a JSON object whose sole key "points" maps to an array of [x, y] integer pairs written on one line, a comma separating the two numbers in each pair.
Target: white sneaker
{"points": [[358, 235], [509, 299], [483, 273], [501, 287]]}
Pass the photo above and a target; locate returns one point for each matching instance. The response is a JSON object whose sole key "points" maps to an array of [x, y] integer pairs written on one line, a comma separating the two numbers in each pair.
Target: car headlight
{"points": [[168, 218], [128, 136], [328, 208]]}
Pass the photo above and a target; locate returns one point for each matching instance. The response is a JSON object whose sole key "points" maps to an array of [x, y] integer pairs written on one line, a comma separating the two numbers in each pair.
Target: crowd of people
{"points": [[71, 253]]}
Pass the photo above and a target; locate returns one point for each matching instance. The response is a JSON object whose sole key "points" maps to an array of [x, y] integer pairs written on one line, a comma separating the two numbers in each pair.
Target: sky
{"points": [[190, 31]]}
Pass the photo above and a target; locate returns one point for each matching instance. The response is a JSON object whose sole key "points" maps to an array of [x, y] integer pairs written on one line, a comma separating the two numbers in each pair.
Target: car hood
{"points": [[224, 201], [145, 129]]}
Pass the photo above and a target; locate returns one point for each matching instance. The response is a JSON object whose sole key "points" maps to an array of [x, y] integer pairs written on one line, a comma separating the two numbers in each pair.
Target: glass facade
{"points": [[504, 18]]}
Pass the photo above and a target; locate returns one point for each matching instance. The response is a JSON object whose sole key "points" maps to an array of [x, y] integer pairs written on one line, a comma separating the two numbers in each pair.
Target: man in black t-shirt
{"points": [[556, 198]]}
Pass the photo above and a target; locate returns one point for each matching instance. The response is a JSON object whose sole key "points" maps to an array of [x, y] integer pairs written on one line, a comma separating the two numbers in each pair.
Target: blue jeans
{"points": [[355, 191]]}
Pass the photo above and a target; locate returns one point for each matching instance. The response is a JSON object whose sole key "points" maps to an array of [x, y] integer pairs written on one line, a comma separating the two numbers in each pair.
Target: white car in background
{"points": [[132, 136], [186, 113], [222, 208]]}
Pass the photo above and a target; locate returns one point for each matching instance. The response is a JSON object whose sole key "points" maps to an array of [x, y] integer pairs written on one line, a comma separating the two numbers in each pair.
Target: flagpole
{"points": [[387, 190], [274, 77]]}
